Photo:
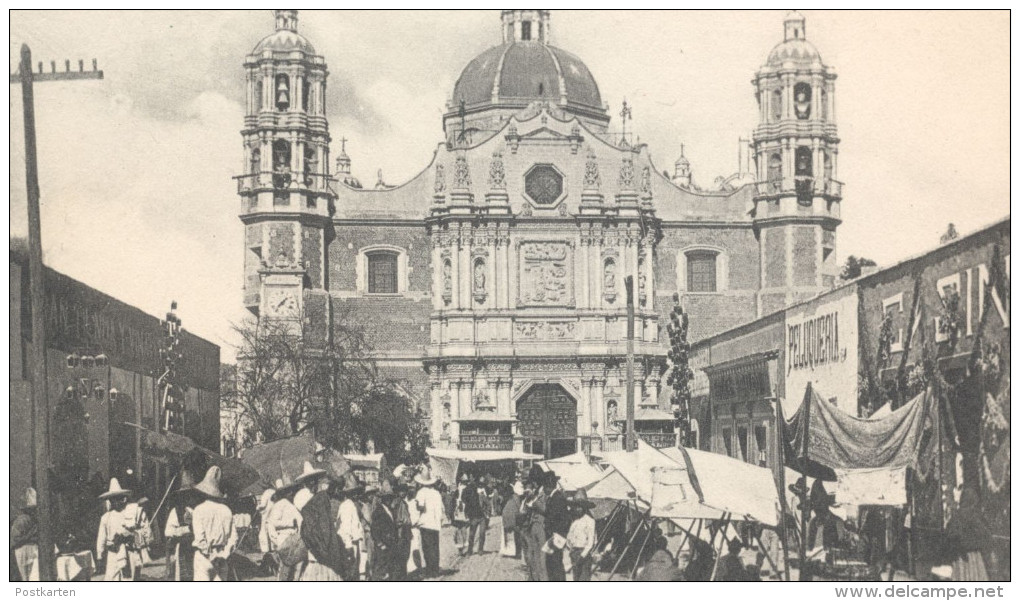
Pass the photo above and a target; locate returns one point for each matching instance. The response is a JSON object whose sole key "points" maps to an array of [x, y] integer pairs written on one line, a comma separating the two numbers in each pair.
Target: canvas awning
{"points": [[575, 471], [872, 487], [236, 478], [283, 459], [841, 441], [744, 490], [446, 462]]}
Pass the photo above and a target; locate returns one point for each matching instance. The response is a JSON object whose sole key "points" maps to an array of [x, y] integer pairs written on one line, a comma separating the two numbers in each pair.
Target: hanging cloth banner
{"points": [[903, 438]]}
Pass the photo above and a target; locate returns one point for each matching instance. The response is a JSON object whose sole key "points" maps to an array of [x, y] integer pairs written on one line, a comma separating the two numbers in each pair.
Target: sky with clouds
{"points": [[135, 170]]}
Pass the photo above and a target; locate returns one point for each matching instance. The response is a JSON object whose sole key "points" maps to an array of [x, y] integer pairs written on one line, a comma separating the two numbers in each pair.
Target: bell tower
{"points": [[286, 198], [797, 199]]}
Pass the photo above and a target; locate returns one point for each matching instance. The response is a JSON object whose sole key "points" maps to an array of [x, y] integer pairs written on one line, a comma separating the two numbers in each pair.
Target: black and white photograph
{"points": [[510, 295]]}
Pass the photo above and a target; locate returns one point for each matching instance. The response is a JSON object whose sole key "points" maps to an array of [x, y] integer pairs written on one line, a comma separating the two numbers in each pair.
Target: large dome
{"points": [[523, 72]]}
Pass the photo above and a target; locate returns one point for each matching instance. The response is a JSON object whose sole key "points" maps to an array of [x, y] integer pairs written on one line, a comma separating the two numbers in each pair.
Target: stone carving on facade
{"points": [[526, 209], [513, 139], [641, 281], [440, 185], [612, 412], [447, 281], [592, 179], [545, 274], [461, 174], [627, 174], [563, 209], [497, 172], [609, 280], [646, 181], [545, 330], [478, 280]]}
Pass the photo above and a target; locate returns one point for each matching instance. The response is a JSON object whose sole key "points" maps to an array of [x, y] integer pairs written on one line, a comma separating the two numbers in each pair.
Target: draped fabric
{"points": [[904, 438], [283, 459]]}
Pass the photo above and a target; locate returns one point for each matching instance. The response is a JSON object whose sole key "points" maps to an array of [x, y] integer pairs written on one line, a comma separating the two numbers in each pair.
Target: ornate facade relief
{"points": [[545, 274], [627, 174], [478, 278], [440, 184], [592, 179], [461, 174], [497, 172], [545, 330]]}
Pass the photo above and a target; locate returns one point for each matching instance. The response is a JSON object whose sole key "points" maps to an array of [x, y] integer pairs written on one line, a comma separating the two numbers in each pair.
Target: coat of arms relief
{"points": [[545, 274]]}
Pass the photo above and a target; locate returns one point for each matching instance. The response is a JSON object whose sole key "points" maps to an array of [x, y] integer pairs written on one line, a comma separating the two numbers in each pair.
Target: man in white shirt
{"points": [[581, 538], [430, 520], [115, 539], [213, 525], [282, 522], [349, 526]]}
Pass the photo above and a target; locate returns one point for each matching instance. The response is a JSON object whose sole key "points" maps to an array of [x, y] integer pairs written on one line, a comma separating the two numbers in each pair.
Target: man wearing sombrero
{"points": [[580, 538], [327, 557], [349, 524], [213, 525], [430, 520], [283, 520], [114, 539]]}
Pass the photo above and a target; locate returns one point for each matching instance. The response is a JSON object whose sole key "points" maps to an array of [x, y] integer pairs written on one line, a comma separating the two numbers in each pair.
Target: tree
{"points": [[283, 386], [853, 267], [680, 375]]}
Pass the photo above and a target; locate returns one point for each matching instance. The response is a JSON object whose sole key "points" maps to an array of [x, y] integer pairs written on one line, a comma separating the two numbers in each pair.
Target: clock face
{"points": [[282, 303]]}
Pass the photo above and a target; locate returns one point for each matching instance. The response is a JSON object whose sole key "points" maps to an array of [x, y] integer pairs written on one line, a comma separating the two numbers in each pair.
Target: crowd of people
{"points": [[326, 527]]}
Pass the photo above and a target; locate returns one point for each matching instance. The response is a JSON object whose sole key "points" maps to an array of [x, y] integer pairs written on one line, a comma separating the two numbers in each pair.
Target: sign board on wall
{"points": [[821, 347]]}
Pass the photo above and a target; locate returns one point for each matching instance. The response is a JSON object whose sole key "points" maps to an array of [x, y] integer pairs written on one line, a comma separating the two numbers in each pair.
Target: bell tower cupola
{"points": [[285, 184], [525, 26], [795, 146]]}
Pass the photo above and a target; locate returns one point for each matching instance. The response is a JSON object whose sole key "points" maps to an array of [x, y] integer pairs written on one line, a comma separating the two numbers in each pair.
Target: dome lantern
{"points": [[525, 26], [794, 26], [286, 20]]}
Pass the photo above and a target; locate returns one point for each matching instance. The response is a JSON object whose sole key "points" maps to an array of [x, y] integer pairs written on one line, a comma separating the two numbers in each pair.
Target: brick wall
{"points": [[775, 257], [391, 323], [805, 256], [343, 252]]}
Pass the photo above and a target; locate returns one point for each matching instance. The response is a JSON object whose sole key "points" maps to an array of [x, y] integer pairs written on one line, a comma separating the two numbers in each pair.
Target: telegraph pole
{"points": [[40, 400], [630, 438]]}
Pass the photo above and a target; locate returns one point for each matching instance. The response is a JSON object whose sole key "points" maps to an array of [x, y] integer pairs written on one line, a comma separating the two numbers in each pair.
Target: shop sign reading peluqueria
{"points": [[821, 348]]}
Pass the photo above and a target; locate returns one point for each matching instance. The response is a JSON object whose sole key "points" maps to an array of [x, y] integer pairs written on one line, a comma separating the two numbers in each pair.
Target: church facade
{"points": [[492, 285]]}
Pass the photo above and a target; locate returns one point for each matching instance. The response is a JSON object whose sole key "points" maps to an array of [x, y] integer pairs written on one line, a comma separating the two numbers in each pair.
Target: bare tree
{"points": [[283, 385]]}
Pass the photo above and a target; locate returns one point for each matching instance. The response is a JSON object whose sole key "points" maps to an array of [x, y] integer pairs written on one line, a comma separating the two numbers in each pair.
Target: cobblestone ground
{"points": [[490, 566]]}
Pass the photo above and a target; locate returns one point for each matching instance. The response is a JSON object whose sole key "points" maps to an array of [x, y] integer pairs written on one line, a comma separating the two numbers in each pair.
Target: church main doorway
{"points": [[547, 419]]}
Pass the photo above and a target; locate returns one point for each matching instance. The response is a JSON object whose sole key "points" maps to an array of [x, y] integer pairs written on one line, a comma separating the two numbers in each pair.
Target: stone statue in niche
{"points": [[612, 411], [447, 281], [609, 280], [478, 281], [646, 180]]}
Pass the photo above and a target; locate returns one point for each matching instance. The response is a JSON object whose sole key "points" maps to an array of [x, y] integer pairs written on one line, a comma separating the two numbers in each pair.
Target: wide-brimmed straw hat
{"points": [[301, 498], [308, 472], [115, 490], [351, 484], [210, 485], [426, 478], [580, 499], [31, 498], [265, 499]]}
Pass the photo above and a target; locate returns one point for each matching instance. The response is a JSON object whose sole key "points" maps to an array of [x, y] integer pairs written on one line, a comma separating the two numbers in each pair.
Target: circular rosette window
{"points": [[543, 185]]}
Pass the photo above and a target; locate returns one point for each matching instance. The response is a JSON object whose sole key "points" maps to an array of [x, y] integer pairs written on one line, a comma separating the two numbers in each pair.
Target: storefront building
{"points": [[103, 358]]}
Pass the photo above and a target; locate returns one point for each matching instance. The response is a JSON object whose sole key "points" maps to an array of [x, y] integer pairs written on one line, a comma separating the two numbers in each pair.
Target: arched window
{"points": [[258, 96], [382, 272], [803, 163], [701, 271], [282, 92], [777, 104], [827, 166], [525, 30], [823, 101], [311, 165], [255, 161], [775, 175], [306, 90], [802, 100]]}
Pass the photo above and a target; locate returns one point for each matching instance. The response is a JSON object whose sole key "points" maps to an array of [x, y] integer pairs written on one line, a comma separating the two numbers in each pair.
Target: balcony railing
{"points": [[283, 180], [791, 185], [486, 442]]}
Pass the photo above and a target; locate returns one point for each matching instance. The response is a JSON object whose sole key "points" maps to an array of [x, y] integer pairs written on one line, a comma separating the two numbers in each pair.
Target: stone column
{"points": [[455, 266], [649, 272]]}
